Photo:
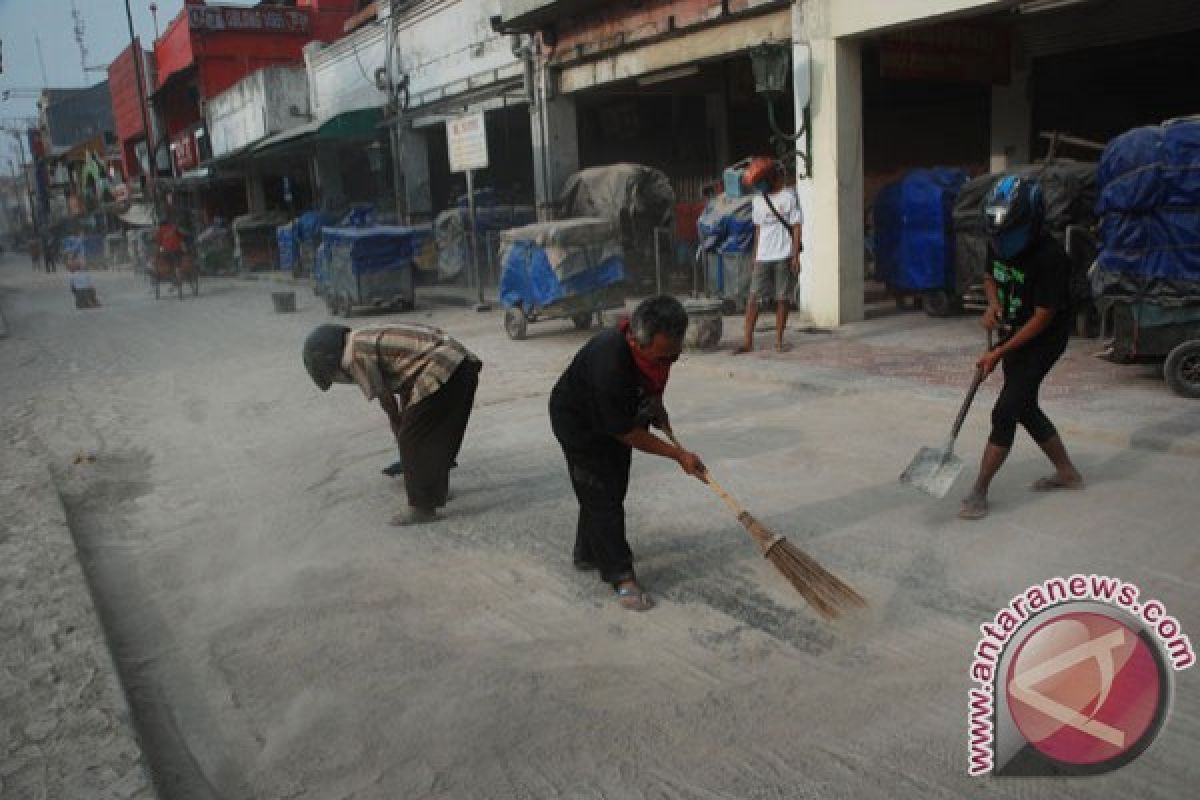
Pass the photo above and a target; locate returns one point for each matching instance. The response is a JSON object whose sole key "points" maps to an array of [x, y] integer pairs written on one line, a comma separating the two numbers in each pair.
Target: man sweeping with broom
{"points": [[601, 410]]}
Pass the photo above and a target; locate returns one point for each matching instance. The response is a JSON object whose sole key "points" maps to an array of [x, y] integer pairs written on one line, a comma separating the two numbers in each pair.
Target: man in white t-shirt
{"points": [[777, 250]]}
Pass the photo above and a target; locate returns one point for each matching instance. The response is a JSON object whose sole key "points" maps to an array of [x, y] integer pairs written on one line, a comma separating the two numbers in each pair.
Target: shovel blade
{"points": [[933, 471]]}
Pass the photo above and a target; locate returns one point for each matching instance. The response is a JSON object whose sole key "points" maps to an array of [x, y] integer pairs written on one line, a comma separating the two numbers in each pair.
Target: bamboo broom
{"points": [[823, 590]]}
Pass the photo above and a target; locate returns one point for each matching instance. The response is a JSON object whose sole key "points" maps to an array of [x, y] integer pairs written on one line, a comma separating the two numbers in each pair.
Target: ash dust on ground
{"points": [[279, 639]]}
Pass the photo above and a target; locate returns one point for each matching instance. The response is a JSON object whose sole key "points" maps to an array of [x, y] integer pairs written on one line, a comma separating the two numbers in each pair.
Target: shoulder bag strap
{"points": [[787, 228]]}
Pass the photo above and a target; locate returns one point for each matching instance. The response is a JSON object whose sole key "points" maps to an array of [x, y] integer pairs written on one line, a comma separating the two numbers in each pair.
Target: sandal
{"points": [[1051, 482], [974, 506], [632, 598]]}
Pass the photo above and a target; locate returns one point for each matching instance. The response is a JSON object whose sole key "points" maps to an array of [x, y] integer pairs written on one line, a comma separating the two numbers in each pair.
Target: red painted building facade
{"points": [[208, 48], [127, 113]]}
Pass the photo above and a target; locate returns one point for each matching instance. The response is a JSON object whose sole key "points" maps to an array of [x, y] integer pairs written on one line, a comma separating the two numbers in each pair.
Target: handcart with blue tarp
{"points": [[373, 266], [285, 238], [726, 229], [914, 238], [1147, 273], [569, 269], [308, 242]]}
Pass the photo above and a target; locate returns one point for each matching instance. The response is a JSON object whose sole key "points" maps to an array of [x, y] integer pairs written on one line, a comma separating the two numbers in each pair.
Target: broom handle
{"points": [[712, 482], [962, 412]]}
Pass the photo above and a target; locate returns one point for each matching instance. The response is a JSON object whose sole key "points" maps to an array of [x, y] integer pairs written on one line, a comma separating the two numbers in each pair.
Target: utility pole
{"points": [[33, 217], [152, 160], [41, 60]]}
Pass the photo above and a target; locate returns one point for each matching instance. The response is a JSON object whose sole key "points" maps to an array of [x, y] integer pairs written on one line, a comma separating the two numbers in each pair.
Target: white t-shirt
{"points": [[775, 241], [81, 280]]}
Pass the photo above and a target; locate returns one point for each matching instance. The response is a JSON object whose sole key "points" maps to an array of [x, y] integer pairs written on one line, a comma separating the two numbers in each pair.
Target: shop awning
{"points": [[362, 123], [358, 125], [290, 136]]}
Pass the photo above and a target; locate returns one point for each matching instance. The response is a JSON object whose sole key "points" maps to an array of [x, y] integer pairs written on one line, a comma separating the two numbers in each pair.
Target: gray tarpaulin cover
{"points": [[452, 233], [545, 262], [636, 198], [1069, 192]]}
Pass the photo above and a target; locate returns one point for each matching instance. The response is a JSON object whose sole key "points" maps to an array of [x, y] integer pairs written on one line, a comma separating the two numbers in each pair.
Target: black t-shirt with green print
{"points": [[1038, 277]]}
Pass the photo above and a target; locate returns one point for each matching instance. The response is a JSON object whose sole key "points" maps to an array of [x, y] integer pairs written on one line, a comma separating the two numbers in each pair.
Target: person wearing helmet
{"points": [[778, 224], [1027, 286], [425, 382]]}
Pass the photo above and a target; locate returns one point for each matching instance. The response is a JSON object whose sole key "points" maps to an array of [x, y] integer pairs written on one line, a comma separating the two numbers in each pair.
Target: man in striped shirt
{"points": [[425, 382]]}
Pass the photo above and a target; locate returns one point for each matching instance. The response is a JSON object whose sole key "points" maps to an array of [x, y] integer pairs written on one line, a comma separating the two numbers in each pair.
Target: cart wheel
{"points": [[582, 320], [331, 304], [1182, 370], [515, 323], [937, 303], [345, 307]]}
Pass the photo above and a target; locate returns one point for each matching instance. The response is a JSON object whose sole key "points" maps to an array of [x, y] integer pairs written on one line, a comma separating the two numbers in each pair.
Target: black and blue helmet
{"points": [[1012, 214]]}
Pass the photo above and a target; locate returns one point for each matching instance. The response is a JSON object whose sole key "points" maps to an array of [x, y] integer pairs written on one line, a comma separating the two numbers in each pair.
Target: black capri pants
{"points": [[1024, 371]]}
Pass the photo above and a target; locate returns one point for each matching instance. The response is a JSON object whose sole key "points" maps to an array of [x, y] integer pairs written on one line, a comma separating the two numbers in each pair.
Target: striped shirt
{"points": [[411, 361]]}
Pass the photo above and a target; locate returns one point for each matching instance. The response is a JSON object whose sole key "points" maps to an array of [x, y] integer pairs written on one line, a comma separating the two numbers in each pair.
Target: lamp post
{"points": [[771, 62]]}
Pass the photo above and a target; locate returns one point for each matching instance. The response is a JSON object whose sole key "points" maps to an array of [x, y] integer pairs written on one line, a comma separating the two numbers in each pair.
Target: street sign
{"points": [[466, 137]]}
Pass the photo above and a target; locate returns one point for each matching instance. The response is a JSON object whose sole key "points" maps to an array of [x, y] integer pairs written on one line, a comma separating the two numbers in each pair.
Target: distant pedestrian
{"points": [[50, 253], [1028, 292], [425, 382], [778, 225], [601, 410]]}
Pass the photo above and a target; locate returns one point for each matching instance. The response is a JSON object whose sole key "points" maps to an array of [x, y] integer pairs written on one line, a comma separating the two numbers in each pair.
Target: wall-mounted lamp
{"points": [[771, 62]]}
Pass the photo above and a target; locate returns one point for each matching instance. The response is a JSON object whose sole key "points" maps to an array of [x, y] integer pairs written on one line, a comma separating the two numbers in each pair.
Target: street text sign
{"points": [[466, 137]]}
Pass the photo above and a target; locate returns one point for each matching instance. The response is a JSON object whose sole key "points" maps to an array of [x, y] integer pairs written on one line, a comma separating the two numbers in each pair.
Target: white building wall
{"points": [[342, 74], [447, 47], [257, 106]]}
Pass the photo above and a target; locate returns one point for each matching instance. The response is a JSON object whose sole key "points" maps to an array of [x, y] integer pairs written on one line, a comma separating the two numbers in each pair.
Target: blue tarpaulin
{"points": [[1149, 180], [285, 235], [378, 248], [727, 225], [914, 239]]}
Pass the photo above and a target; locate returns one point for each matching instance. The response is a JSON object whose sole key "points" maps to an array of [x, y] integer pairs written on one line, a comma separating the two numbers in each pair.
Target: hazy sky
{"points": [[106, 34]]}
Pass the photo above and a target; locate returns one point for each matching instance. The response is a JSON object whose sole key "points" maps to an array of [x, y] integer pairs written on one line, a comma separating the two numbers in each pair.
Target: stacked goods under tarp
{"points": [[1149, 180], [374, 265], [1069, 193], [452, 231], [214, 245], [254, 240], [308, 239], [635, 198], [548, 262], [285, 239], [914, 235], [726, 230]]}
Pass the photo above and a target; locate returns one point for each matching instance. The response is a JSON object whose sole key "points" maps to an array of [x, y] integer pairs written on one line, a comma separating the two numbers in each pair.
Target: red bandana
{"points": [[654, 375]]}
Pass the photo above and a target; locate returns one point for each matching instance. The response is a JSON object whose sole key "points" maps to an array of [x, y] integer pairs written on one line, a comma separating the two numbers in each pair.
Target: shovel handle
{"points": [[966, 406], [711, 481]]}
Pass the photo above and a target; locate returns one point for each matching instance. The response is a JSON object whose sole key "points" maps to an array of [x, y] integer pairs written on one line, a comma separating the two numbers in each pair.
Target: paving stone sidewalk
{"points": [[65, 727]]}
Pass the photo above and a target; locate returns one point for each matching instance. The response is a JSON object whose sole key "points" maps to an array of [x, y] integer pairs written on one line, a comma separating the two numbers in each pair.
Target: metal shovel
{"points": [[933, 469]]}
